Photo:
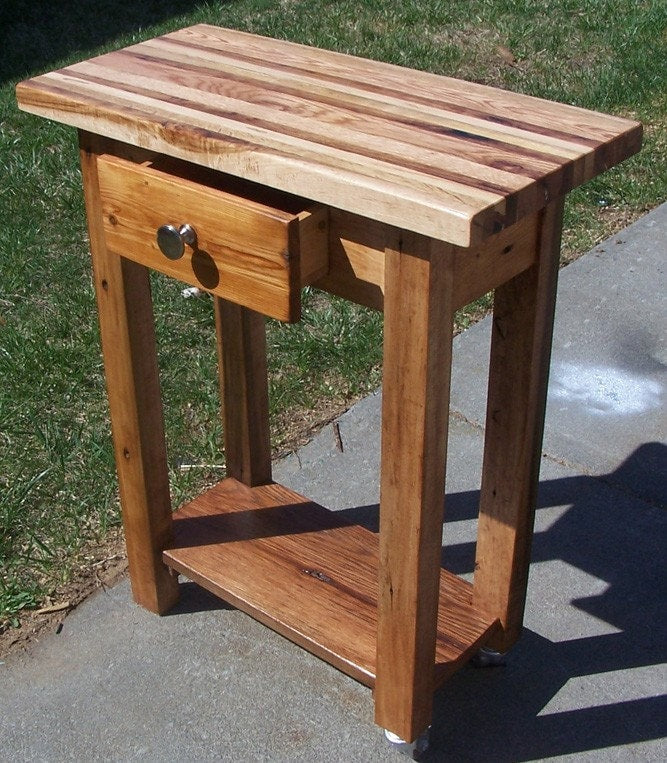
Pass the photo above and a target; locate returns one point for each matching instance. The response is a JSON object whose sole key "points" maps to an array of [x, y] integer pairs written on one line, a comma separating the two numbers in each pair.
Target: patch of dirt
{"points": [[97, 565], [611, 220]]}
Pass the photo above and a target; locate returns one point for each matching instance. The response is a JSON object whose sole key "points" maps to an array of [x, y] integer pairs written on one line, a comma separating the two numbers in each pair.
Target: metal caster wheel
{"points": [[414, 750], [487, 658]]}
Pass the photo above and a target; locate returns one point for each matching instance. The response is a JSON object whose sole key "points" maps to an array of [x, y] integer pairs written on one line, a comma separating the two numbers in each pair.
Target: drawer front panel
{"points": [[244, 251]]}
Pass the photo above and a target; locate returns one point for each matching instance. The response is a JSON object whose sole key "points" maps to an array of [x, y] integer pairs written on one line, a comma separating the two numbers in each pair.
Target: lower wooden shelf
{"points": [[307, 573]]}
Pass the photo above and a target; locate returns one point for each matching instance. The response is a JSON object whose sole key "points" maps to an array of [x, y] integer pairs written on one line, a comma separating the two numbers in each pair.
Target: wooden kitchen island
{"points": [[250, 167]]}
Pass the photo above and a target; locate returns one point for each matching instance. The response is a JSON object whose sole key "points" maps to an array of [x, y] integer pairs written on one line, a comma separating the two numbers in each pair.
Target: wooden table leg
{"points": [[128, 346], [417, 366], [520, 352], [244, 391]]}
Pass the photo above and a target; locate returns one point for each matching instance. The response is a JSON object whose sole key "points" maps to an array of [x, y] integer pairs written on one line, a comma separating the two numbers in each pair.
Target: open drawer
{"points": [[245, 243]]}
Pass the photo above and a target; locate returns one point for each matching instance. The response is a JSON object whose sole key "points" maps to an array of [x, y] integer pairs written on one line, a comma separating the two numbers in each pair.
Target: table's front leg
{"points": [[416, 374], [520, 352], [128, 346]]}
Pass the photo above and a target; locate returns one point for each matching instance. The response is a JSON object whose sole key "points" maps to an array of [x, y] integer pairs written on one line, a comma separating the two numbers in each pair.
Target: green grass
{"points": [[57, 484]]}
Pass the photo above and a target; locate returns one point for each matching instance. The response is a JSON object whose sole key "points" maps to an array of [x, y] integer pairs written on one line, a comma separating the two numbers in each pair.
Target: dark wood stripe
{"points": [[506, 156], [556, 160], [71, 102], [486, 219], [440, 104], [311, 137]]}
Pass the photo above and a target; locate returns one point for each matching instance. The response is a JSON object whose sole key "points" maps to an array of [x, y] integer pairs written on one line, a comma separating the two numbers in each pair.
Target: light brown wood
{"points": [[128, 344], [357, 256], [520, 351], [415, 407], [311, 240], [244, 391], [309, 574], [245, 250], [501, 257], [448, 159], [356, 259]]}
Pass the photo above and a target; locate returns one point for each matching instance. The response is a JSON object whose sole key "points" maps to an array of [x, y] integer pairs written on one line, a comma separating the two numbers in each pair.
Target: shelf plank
{"points": [[309, 574]]}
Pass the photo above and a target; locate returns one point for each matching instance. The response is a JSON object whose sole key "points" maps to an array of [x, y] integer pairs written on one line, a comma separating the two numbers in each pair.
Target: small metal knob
{"points": [[172, 240]]}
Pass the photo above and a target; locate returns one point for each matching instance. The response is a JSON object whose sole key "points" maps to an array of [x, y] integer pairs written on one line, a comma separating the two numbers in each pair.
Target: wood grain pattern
{"points": [[241, 341], [520, 350], [453, 160], [245, 250], [357, 260], [130, 364], [309, 574], [415, 406]]}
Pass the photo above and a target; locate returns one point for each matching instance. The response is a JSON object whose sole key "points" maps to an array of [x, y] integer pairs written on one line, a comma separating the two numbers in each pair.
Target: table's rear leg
{"points": [[130, 362], [244, 390], [520, 353], [417, 361]]}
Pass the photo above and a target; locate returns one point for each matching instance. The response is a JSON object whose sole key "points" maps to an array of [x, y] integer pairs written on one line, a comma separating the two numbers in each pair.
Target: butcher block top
{"points": [[446, 158]]}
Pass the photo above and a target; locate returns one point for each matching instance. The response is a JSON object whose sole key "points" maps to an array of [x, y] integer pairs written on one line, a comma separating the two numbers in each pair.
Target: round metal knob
{"points": [[172, 240]]}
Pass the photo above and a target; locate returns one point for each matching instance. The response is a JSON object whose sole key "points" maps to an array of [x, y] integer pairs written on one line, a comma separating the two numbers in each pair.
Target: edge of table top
{"points": [[450, 159]]}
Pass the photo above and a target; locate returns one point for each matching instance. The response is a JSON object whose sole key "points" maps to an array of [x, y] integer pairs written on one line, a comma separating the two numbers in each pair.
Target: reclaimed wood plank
{"points": [[242, 370], [309, 574], [519, 369], [415, 406], [456, 161]]}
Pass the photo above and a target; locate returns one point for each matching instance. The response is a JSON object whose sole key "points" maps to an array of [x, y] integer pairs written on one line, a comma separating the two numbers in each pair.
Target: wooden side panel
{"points": [[415, 404], [483, 268], [357, 260], [128, 345], [520, 351], [241, 340], [242, 250], [312, 229]]}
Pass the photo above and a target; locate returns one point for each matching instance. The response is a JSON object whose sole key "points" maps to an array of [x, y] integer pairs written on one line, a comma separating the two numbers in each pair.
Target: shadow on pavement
{"points": [[604, 529], [519, 713], [614, 540], [193, 598]]}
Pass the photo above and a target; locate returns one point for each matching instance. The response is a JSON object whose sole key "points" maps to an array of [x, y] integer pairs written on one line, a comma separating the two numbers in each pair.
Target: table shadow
{"points": [[517, 713]]}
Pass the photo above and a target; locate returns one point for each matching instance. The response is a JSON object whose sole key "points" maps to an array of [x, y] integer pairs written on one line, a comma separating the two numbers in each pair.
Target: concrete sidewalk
{"points": [[586, 682]]}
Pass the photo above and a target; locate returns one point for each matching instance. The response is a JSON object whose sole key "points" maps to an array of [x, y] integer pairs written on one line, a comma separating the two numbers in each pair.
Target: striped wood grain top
{"points": [[446, 158]]}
